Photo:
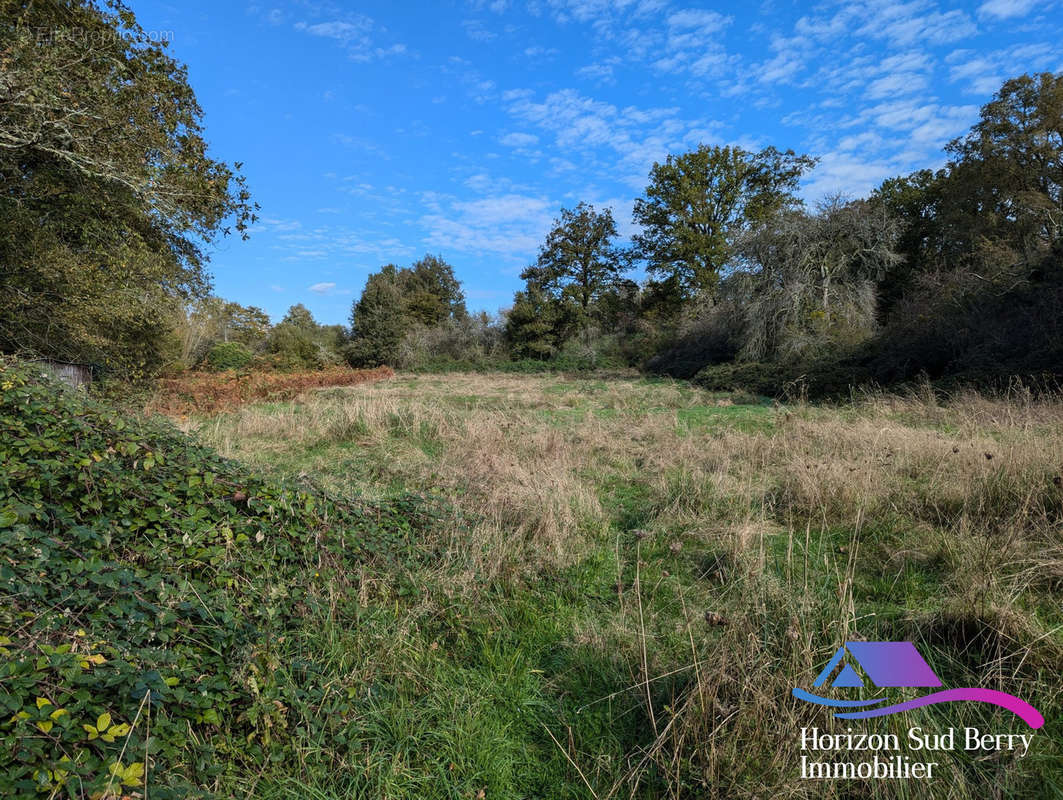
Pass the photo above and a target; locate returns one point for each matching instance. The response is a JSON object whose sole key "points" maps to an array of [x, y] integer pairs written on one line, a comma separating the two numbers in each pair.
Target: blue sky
{"points": [[376, 132]]}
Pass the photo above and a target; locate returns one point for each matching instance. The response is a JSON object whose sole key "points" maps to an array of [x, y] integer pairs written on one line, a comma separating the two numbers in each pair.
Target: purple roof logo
{"points": [[887, 664], [898, 664]]}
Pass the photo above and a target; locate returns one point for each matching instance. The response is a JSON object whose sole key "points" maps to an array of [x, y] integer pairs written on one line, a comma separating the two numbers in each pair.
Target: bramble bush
{"points": [[146, 589]]}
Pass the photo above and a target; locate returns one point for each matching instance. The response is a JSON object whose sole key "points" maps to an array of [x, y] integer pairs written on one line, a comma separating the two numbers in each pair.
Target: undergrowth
{"points": [[146, 587]]}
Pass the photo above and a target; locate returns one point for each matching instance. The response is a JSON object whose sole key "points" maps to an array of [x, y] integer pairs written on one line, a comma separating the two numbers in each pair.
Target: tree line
{"points": [[111, 202], [952, 274]]}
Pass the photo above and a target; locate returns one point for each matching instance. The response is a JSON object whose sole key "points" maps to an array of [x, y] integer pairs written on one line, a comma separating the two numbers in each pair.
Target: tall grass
{"points": [[670, 563]]}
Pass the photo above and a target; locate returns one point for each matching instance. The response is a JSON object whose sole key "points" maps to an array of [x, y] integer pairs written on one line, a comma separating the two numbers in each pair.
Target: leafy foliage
{"points": [[1006, 182], [431, 294], [578, 263], [811, 279], [378, 321], [229, 355], [536, 327], [474, 342], [109, 192], [298, 342], [396, 302], [698, 201], [146, 585], [200, 326], [951, 275]]}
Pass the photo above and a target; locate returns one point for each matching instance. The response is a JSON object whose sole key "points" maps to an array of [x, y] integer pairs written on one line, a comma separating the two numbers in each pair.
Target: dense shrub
{"points": [[590, 350], [711, 339], [751, 376], [148, 581], [228, 355], [472, 340], [1001, 325], [298, 342]]}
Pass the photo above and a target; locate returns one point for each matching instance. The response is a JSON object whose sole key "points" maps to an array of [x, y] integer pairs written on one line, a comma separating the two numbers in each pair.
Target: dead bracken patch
{"points": [[211, 392]]}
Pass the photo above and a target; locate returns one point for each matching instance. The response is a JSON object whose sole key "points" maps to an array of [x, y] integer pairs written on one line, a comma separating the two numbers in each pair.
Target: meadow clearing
{"points": [[628, 576]]}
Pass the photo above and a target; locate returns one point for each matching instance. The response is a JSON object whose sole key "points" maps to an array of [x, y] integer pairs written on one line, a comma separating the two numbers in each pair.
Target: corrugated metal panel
{"points": [[77, 375]]}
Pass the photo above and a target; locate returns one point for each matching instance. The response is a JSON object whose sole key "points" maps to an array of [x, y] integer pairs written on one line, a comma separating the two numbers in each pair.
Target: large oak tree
{"points": [[697, 202]]}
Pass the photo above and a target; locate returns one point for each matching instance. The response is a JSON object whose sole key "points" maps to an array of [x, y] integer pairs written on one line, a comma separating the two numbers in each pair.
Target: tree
{"points": [[378, 320], [299, 342], [202, 324], [107, 192], [578, 263], [228, 355], [395, 301], [914, 203], [697, 202], [1008, 170], [810, 279], [431, 293], [999, 198], [535, 325]]}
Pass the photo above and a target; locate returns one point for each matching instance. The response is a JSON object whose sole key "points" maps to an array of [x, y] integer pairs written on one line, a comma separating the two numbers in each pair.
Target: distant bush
{"points": [[824, 378], [590, 351], [298, 342], [711, 339], [228, 355], [755, 377], [991, 326], [475, 341]]}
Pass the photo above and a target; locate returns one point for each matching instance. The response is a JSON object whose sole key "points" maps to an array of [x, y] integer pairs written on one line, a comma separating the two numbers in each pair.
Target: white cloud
{"points": [[934, 27], [620, 142], [507, 225], [844, 173], [1006, 9], [344, 31], [519, 140], [354, 34], [602, 72], [984, 72], [927, 126], [787, 63], [342, 242], [273, 224], [538, 51], [701, 20], [903, 22], [322, 288], [692, 42], [896, 83], [476, 31]]}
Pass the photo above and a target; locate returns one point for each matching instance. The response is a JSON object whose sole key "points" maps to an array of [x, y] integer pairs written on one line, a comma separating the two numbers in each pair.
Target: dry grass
{"points": [[768, 535]]}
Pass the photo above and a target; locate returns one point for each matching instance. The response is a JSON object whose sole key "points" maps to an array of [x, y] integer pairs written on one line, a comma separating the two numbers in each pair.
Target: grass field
{"points": [[629, 576]]}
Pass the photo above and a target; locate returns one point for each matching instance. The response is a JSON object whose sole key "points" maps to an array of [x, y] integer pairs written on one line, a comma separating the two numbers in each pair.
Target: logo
{"points": [[895, 664]]}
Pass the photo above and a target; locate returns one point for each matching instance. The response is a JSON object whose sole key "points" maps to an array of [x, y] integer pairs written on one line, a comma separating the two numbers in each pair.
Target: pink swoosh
{"points": [[1030, 715]]}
